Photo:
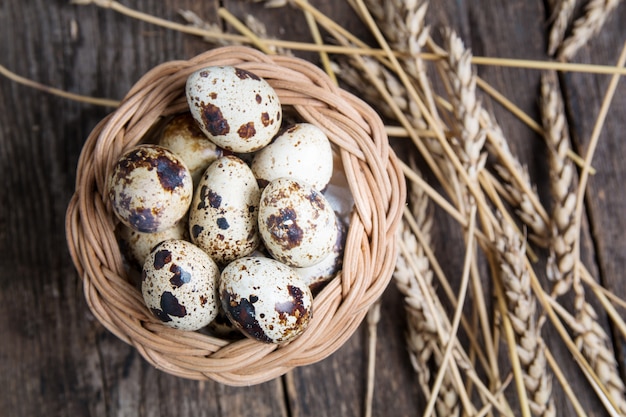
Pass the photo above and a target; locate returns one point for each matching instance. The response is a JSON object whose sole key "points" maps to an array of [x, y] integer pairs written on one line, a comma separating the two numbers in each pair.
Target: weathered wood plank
{"points": [[55, 357]]}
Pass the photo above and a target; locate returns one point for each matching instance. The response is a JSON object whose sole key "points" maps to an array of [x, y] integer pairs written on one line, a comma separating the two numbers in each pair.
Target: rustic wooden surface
{"points": [[56, 360]]}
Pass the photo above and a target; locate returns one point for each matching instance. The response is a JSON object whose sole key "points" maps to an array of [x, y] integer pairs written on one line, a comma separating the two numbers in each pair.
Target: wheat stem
{"points": [[317, 38], [348, 50], [521, 115], [599, 290], [593, 141], [423, 323], [55, 91], [449, 344], [443, 334]]}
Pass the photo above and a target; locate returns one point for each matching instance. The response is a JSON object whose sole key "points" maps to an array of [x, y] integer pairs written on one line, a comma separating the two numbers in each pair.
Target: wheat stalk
{"points": [[591, 338], [562, 171], [354, 77], [272, 3], [392, 98], [214, 29], [404, 25], [562, 16], [470, 137], [468, 143], [522, 308], [586, 27], [363, 49], [421, 328], [516, 182], [422, 335], [595, 345]]}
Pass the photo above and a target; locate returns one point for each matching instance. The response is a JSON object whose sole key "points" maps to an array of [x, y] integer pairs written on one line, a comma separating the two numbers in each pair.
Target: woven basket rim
{"points": [[375, 179]]}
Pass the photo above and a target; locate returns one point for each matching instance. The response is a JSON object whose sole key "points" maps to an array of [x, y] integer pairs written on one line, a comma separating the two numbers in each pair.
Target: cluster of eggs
{"points": [[226, 213]]}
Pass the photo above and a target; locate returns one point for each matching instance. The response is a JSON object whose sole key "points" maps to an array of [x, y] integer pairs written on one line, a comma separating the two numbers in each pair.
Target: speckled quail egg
{"points": [[179, 285], [223, 214], [302, 152], [182, 136], [236, 109], [137, 246], [318, 275], [296, 223], [265, 299], [150, 188]]}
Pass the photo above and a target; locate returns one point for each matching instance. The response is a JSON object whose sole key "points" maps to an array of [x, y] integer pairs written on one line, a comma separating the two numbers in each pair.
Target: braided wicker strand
{"points": [[375, 179]]}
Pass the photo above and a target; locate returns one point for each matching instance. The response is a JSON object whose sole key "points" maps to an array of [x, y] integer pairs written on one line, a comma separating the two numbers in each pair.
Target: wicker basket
{"points": [[376, 183]]}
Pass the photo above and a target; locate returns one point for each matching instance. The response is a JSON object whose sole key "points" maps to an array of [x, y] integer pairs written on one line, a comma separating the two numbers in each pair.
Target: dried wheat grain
{"points": [[522, 308], [586, 27]]}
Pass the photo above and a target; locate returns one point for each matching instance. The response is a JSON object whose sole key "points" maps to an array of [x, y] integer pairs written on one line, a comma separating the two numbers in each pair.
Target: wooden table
{"points": [[57, 360]]}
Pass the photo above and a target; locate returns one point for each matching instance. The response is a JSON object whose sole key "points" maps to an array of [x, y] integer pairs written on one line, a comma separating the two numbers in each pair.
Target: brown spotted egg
{"points": [[223, 214], [179, 285], [137, 245], [182, 136], [318, 275], [302, 152], [236, 109], [265, 299], [296, 223], [150, 188]]}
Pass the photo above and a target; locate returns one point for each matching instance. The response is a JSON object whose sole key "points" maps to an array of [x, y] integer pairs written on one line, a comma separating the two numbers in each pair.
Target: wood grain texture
{"points": [[56, 360]]}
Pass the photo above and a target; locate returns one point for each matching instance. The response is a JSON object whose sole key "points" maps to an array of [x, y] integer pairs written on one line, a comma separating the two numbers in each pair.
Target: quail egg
{"points": [[179, 283], [316, 276], [137, 246], [296, 223], [302, 152], [150, 188], [182, 136], [235, 108], [223, 214], [265, 299]]}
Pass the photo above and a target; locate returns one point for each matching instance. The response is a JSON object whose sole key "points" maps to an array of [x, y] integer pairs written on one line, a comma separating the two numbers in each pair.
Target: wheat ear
{"points": [[562, 171], [498, 146], [468, 143], [422, 335], [421, 328], [562, 17], [404, 25], [522, 309], [470, 137], [586, 27], [195, 21], [595, 345], [590, 337], [391, 97]]}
